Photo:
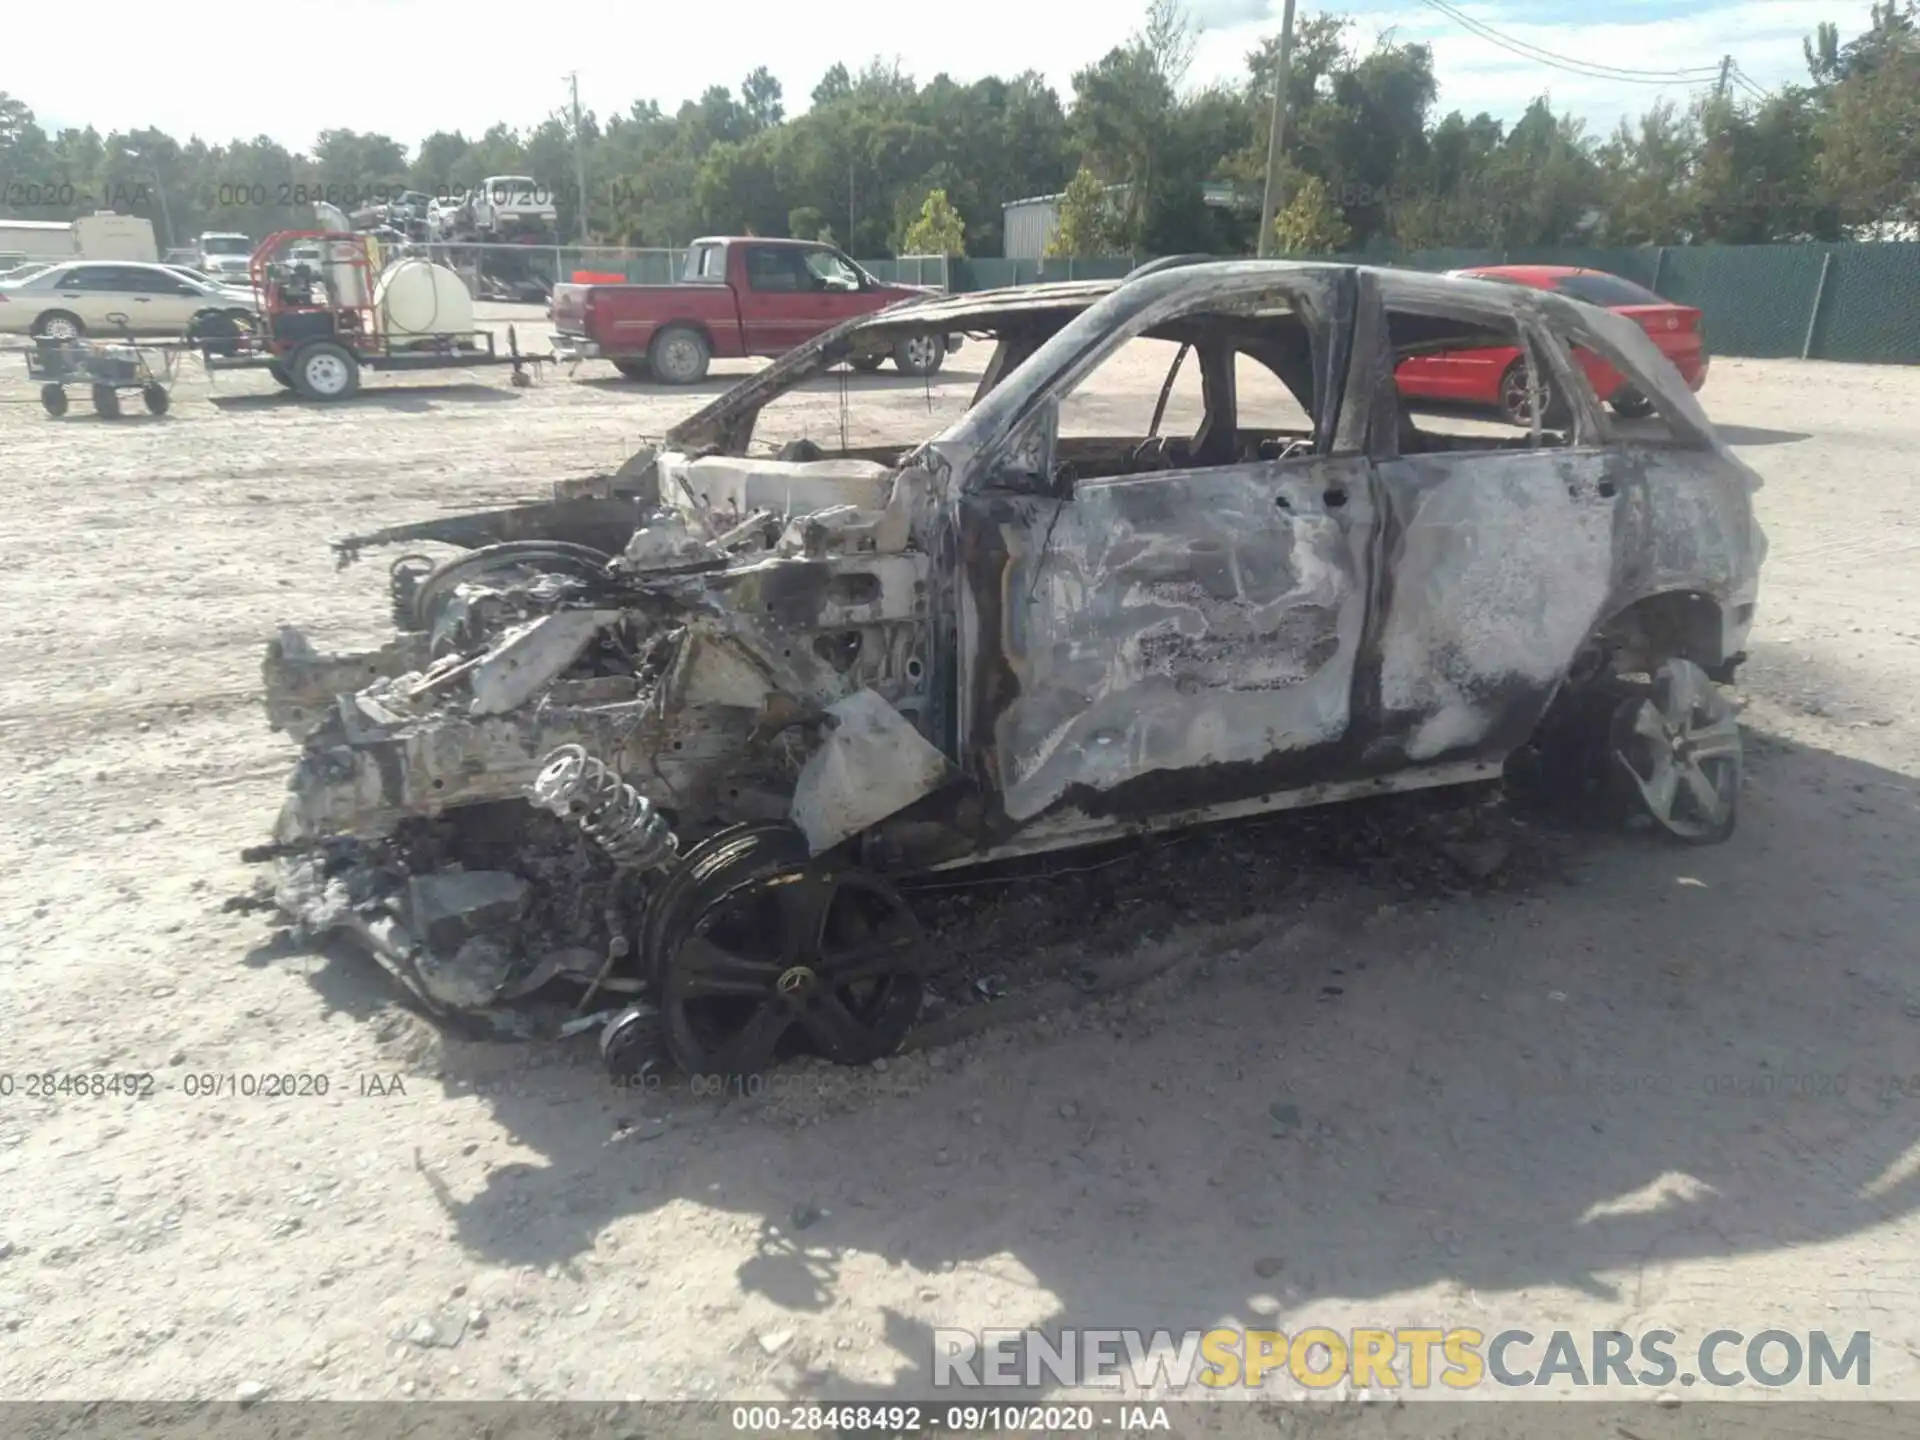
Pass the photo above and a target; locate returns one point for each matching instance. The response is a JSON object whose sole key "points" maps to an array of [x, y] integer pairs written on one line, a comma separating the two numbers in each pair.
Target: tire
{"points": [[215, 331], [1638, 734], [920, 354], [1630, 404], [679, 355], [1513, 398], [867, 363], [632, 369], [54, 399], [106, 402], [322, 370], [59, 325], [156, 398], [282, 376]]}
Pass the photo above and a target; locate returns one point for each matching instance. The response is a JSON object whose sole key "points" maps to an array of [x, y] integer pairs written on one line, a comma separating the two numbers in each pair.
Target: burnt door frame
{"points": [[1496, 563], [1056, 667]]}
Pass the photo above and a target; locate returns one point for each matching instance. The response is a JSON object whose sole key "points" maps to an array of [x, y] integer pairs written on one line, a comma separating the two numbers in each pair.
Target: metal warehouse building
{"points": [[1027, 226]]}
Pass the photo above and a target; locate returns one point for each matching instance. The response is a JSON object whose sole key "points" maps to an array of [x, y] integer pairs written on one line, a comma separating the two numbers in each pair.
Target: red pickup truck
{"points": [[743, 296]]}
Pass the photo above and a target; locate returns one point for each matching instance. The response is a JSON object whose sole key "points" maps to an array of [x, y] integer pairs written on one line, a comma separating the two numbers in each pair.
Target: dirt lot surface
{"points": [[1449, 1065]]}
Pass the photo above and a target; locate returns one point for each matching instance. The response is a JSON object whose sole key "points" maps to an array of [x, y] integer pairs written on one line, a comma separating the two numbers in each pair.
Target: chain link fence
{"points": [[1858, 302]]}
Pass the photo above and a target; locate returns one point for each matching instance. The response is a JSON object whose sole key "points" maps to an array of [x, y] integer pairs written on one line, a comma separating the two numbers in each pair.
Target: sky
{"points": [[468, 64]]}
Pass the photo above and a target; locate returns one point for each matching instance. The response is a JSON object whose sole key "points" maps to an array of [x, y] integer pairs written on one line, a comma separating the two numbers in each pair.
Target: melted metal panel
{"points": [[1500, 564], [1175, 621]]}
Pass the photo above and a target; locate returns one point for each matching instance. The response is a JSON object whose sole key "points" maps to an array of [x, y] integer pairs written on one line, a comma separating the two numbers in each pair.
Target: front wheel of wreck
{"points": [[764, 953]]}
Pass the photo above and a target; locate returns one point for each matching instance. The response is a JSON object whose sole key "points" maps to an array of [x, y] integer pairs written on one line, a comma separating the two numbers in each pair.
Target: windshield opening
{"points": [[227, 245]]}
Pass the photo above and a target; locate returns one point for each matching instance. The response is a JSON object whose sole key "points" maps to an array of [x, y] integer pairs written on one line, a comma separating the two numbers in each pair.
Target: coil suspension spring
{"points": [[619, 819]]}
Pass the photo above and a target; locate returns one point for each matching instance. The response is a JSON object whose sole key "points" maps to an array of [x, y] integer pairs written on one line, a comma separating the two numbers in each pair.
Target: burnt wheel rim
{"points": [[809, 957], [1678, 747]]}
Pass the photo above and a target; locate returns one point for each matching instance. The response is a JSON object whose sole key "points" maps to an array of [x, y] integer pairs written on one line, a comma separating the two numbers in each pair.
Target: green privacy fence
{"points": [[1856, 302]]}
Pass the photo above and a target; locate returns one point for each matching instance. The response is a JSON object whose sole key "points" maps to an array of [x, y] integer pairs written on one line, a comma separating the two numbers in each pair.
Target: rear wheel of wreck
{"points": [[762, 951], [1677, 753]]}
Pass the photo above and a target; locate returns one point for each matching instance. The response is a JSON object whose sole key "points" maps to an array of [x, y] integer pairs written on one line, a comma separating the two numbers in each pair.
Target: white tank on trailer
{"points": [[418, 298]]}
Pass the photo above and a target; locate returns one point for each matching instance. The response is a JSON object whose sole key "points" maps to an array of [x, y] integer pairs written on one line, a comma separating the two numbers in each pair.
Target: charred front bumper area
{"points": [[747, 656]]}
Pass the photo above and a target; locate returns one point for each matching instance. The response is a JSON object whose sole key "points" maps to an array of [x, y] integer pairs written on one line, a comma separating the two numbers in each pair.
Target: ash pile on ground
{"points": [[994, 933]]}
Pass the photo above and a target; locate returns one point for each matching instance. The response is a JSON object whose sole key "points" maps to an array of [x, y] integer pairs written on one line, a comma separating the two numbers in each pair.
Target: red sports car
{"points": [[1497, 378]]}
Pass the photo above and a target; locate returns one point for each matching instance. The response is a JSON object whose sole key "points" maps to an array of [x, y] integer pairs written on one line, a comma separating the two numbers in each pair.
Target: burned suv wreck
{"points": [[660, 743]]}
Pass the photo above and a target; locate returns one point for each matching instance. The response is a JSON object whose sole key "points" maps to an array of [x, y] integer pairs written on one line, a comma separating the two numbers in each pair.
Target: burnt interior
{"points": [[1280, 342]]}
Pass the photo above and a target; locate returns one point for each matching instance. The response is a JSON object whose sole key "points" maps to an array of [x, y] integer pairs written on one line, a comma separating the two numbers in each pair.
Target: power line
{"points": [[1592, 70], [1532, 51], [1753, 87]]}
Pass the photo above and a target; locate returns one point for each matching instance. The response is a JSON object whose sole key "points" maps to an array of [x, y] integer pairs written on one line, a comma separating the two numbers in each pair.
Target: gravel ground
{"points": [[1439, 1065]]}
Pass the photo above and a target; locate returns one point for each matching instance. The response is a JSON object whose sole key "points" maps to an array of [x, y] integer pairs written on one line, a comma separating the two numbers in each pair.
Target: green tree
{"points": [[939, 230], [1121, 112], [1649, 171], [836, 84], [437, 166], [1868, 97], [762, 100], [1087, 225], [355, 163], [1310, 223]]}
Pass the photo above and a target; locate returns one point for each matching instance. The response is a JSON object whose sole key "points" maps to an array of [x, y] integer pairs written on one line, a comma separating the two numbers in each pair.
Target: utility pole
{"points": [[848, 242], [579, 157], [1726, 65], [160, 193], [1276, 137], [166, 220]]}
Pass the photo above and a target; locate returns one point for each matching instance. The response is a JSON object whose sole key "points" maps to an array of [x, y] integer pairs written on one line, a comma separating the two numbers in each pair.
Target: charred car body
{"points": [[667, 736]]}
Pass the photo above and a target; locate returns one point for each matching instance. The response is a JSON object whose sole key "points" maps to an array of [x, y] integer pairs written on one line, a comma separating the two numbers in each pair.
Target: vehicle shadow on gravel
{"points": [[414, 399], [1357, 1073], [720, 384], [1753, 435]]}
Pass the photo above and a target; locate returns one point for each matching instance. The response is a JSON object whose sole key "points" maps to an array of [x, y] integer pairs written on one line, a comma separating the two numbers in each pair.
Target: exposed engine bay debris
{"points": [[655, 755]]}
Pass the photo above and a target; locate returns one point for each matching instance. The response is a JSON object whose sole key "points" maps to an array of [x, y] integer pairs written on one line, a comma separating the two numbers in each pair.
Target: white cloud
{"points": [[408, 67]]}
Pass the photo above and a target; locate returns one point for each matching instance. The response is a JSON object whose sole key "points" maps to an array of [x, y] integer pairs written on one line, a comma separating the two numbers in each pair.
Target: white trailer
{"points": [[101, 236], [24, 240]]}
